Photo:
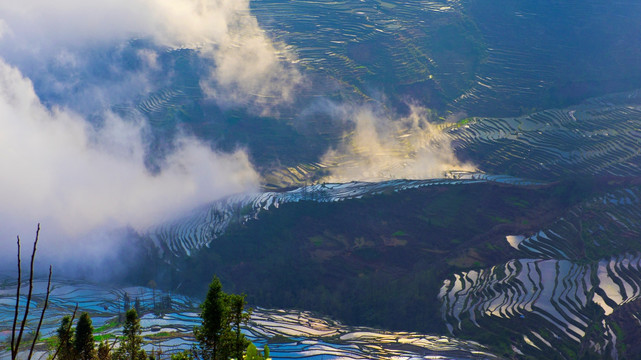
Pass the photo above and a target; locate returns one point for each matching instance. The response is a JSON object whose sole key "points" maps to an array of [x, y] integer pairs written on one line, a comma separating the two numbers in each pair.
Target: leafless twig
{"points": [[14, 347], [114, 344], [15, 342], [42, 315]]}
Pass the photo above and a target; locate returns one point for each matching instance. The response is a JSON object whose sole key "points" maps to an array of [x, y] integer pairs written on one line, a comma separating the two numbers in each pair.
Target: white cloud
{"points": [[71, 23], [57, 169], [4, 28], [382, 148], [247, 67]]}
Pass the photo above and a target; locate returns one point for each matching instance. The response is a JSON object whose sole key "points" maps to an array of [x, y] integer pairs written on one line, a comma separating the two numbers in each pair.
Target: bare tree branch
{"points": [[42, 315], [114, 344], [26, 311], [14, 348]]}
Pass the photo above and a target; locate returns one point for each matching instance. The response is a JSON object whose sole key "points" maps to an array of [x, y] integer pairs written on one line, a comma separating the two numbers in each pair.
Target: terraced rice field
{"points": [[568, 278], [202, 226], [607, 223], [512, 72], [553, 289], [467, 53], [531, 64], [355, 43], [301, 335], [600, 137], [544, 300]]}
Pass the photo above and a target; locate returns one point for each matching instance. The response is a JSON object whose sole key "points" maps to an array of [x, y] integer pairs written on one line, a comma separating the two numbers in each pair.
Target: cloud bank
{"points": [[57, 169], [382, 148], [246, 67], [78, 175]]}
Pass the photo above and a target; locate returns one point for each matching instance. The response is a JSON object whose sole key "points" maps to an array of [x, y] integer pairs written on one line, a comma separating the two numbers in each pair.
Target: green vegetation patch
{"points": [[113, 323]]}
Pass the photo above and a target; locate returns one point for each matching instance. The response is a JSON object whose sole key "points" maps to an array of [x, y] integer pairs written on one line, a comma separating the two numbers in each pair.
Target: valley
{"points": [[382, 179]]}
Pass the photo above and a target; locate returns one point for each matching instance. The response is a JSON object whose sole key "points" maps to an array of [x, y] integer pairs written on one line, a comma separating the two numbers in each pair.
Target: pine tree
{"points": [[126, 303], [64, 339], [252, 353], [131, 348], [104, 352], [137, 306], [219, 336], [84, 342], [185, 355], [214, 310], [237, 317], [210, 333]]}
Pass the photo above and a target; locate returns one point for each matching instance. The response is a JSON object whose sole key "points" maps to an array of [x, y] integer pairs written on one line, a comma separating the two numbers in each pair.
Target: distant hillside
{"points": [[397, 260]]}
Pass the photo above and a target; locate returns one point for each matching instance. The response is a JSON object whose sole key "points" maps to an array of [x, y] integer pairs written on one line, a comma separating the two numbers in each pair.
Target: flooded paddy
{"points": [[290, 334]]}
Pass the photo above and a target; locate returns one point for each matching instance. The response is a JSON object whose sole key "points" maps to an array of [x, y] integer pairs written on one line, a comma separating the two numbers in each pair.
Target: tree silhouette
{"points": [[237, 317], [65, 344], [219, 336], [84, 343], [131, 347], [209, 335]]}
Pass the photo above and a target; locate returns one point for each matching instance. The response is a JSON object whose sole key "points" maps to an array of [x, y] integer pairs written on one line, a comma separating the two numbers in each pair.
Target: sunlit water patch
{"points": [[544, 300]]}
